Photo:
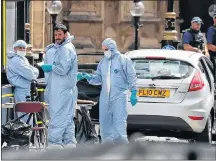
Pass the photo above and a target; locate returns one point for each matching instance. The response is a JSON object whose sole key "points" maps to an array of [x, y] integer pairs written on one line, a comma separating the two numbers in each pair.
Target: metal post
{"points": [[27, 5], [66, 23], [3, 39], [27, 32], [27, 24], [29, 55], [170, 6], [54, 16], [136, 25], [170, 33], [20, 13]]}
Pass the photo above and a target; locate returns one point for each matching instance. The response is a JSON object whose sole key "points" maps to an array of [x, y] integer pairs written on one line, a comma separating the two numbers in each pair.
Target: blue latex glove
{"points": [[133, 97], [79, 76], [46, 67], [87, 76]]}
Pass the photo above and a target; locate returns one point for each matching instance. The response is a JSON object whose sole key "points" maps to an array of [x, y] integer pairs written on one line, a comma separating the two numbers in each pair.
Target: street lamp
{"points": [[54, 7], [137, 11], [212, 10]]}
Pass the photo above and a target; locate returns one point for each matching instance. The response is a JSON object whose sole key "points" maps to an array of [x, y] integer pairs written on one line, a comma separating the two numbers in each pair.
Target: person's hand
{"points": [[87, 76], [207, 53], [79, 76], [133, 98], [46, 67]]}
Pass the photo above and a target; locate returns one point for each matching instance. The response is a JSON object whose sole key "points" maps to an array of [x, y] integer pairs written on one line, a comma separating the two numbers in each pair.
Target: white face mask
{"points": [[107, 54], [21, 53]]}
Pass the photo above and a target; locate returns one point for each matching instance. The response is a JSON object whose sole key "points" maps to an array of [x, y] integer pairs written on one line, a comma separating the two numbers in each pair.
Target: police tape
{"points": [[7, 95], [40, 90], [41, 122], [11, 94]]}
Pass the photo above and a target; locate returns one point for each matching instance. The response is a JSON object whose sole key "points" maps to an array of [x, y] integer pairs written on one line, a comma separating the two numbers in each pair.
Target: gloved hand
{"points": [[46, 67], [87, 76], [79, 76], [133, 97]]}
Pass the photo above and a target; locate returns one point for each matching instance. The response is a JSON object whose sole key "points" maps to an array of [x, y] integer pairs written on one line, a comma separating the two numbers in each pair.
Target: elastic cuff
{"points": [[134, 91], [89, 79]]}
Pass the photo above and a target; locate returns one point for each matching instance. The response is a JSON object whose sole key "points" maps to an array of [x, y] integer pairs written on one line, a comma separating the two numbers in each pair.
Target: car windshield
{"points": [[168, 69]]}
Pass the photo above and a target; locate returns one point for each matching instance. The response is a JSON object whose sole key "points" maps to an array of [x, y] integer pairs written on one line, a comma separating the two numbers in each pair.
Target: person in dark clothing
{"points": [[193, 39], [211, 42]]}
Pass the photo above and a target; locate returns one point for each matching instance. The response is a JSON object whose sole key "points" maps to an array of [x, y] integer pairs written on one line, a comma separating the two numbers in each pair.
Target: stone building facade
{"points": [[92, 21]]}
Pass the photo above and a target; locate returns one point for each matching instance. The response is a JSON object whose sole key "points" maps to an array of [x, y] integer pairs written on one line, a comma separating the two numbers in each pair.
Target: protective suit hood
{"points": [[11, 54], [67, 40], [70, 36], [111, 45], [49, 47]]}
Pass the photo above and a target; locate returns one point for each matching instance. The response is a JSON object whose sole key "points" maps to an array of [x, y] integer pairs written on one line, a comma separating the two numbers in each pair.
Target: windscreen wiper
{"points": [[165, 77]]}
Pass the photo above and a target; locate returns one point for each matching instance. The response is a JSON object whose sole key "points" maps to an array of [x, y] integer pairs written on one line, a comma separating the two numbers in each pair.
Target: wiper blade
{"points": [[165, 77]]}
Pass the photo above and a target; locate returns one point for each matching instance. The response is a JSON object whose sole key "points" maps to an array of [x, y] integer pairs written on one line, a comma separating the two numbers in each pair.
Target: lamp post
{"points": [[137, 11], [170, 39], [27, 24], [212, 10], [29, 55], [54, 7]]}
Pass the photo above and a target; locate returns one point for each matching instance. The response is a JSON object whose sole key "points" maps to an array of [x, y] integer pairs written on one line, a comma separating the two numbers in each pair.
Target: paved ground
{"points": [[148, 147], [208, 153], [166, 139], [140, 150]]}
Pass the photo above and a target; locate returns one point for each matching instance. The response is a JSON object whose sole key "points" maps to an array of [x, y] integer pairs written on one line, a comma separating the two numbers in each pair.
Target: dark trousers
{"points": [[213, 60]]}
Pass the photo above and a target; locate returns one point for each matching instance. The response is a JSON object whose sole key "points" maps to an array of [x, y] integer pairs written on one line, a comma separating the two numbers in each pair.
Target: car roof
{"points": [[188, 56]]}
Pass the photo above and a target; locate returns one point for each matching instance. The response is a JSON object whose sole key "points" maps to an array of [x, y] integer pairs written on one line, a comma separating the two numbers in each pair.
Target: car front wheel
{"points": [[206, 135]]}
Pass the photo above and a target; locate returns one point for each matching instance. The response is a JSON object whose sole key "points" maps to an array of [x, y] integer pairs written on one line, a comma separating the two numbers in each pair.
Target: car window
{"points": [[210, 65], [210, 74], [201, 67], [205, 71], [148, 68]]}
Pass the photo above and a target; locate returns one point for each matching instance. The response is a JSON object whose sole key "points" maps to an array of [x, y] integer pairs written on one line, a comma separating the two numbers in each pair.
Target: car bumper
{"points": [[157, 123], [168, 116]]}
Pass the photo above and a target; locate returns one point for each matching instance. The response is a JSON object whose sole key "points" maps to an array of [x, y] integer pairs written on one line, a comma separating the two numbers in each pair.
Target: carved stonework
{"points": [[151, 11], [148, 34], [85, 11], [93, 21], [48, 38], [38, 25], [85, 20], [176, 9]]}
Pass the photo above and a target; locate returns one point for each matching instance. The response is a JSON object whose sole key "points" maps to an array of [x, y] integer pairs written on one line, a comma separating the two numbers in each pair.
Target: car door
{"points": [[209, 79], [209, 67], [204, 71]]}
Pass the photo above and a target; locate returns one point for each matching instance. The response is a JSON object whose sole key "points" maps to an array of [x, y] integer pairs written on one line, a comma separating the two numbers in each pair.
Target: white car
{"points": [[175, 94]]}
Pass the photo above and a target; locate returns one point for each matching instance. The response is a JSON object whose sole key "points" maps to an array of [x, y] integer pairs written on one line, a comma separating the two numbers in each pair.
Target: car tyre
{"points": [[206, 135], [214, 130], [133, 136]]}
